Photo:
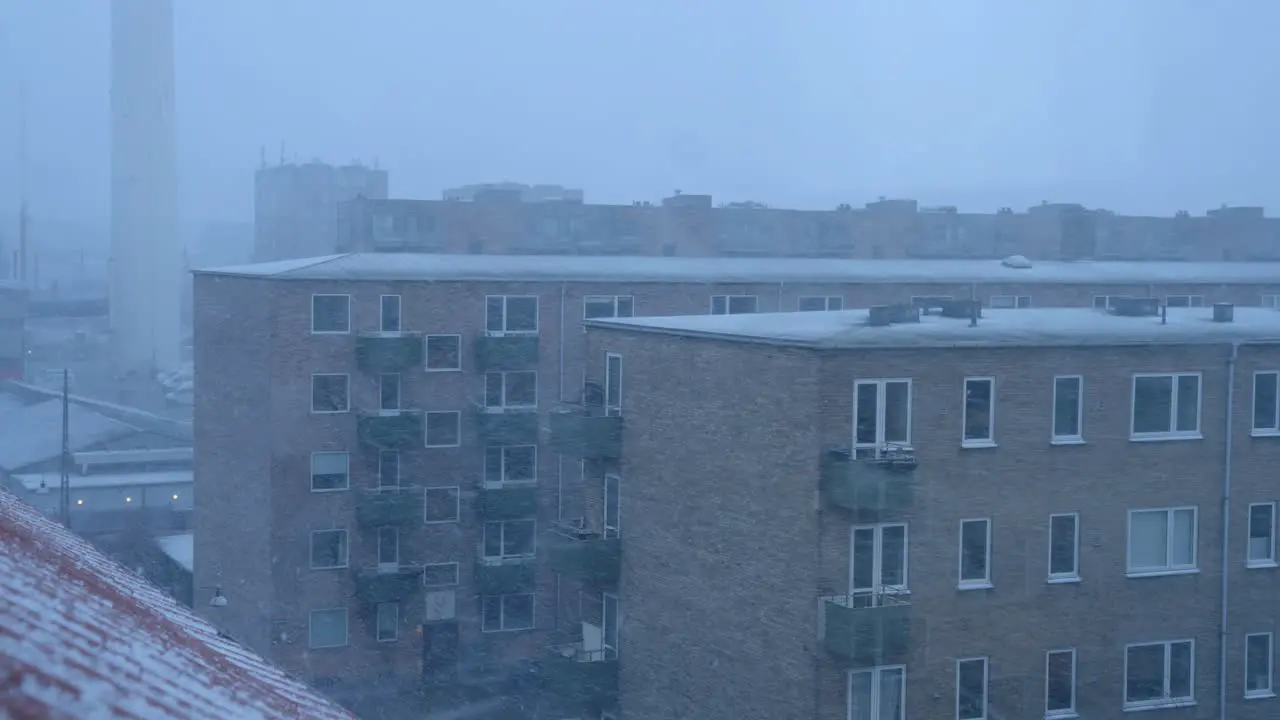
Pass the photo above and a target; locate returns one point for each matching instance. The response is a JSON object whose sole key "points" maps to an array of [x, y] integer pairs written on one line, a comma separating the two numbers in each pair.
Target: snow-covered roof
{"points": [[31, 481], [82, 638], [32, 434], [577, 268], [1029, 327], [180, 547]]}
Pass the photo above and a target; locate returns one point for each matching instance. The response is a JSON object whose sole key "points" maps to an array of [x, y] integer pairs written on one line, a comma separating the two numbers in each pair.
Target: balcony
{"points": [[579, 552], [388, 352], [498, 426], [500, 576], [872, 488], [584, 678], [389, 506], [391, 429], [506, 352], [866, 630], [383, 584], [587, 432], [507, 501]]}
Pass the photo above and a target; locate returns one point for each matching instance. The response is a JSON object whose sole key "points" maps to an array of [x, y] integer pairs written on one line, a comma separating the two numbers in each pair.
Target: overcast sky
{"points": [[1141, 105]]}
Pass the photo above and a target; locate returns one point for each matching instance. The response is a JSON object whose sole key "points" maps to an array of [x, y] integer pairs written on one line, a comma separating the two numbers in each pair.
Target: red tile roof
{"points": [[83, 638]]}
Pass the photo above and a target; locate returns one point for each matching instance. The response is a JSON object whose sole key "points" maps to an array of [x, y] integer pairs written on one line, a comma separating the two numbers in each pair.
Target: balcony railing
{"points": [[873, 488], [506, 351], [388, 583], [391, 429], [502, 576], [398, 506], [580, 677], [867, 629], [507, 500], [586, 431], [389, 352], [506, 426], [588, 555]]}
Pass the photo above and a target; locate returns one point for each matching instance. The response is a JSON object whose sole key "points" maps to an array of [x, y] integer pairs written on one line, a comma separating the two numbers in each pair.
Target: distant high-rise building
{"points": [[295, 207]]}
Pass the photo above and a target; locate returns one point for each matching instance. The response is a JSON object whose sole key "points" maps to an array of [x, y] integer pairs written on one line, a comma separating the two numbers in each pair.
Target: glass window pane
{"points": [[1148, 540], [1180, 682], [1188, 403], [897, 412], [1261, 529], [493, 539], [522, 314], [1060, 682], [977, 410], [626, 306], [866, 414], [1062, 551], [1184, 538], [864, 557], [892, 682], [1144, 673], [893, 555], [860, 696], [1257, 663], [1066, 407], [1152, 404], [971, 689], [494, 314], [974, 550], [1264, 401]]}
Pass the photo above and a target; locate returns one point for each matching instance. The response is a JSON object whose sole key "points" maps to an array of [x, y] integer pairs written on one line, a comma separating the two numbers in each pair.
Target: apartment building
{"points": [[295, 207], [379, 423], [516, 219], [970, 514]]}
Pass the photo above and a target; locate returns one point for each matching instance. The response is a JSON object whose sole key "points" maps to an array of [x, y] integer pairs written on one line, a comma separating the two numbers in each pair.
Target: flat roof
{"points": [[579, 268], [1042, 327]]}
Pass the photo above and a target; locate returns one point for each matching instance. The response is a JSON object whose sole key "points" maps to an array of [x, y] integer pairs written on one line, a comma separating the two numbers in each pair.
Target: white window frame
{"points": [[346, 377], [1068, 439], [826, 300], [875, 673], [382, 379], [1270, 300], [502, 480], [502, 614], [382, 314], [612, 405], [1069, 712], [395, 623], [502, 540], [990, 440], [506, 299], [346, 638], [1193, 301], [728, 300], [426, 428], [346, 549], [345, 486], [611, 299], [1168, 568], [314, 331], [456, 574], [880, 589], [1270, 560], [457, 504], [963, 583], [426, 353], [1009, 302], [1173, 433], [1269, 690], [1274, 429], [1074, 575], [1164, 702], [504, 406], [986, 687], [882, 394]]}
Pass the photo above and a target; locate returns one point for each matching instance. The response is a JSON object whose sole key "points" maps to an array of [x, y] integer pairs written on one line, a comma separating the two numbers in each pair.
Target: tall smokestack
{"points": [[146, 251]]}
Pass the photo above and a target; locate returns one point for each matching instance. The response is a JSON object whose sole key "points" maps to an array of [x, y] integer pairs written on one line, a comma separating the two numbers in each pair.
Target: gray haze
{"points": [[1142, 106]]}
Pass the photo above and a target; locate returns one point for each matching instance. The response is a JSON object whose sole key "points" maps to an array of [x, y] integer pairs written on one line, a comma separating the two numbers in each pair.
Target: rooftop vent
{"points": [[884, 315], [1019, 262], [1135, 306], [964, 309], [1224, 312]]}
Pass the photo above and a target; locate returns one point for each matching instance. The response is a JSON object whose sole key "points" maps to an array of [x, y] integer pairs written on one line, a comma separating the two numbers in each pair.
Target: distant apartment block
{"points": [[13, 317], [295, 209], [522, 192]]}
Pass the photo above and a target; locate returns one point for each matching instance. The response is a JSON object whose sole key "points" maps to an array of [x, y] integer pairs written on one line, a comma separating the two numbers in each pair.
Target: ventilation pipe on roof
{"points": [[973, 314], [1164, 314], [1224, 312]]}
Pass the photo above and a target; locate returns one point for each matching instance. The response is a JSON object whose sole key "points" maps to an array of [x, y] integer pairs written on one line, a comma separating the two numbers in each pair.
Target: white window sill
{"points": [[1159, 705], [507, 630], [328, 412], [1165, 437], [1161, 573], [452, 369], [1061, 715], [1063, 580], [1261, 564], [330, 332], [1259, 695], [977, 444], [974, 585], [1066, 441], [1264, 432]]}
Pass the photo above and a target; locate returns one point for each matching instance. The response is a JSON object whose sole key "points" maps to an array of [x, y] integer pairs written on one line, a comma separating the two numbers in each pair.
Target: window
{"points": [[388, 547], [979, 412], [329, 393], [1184, 301], [507, 612], [1102, 302], [510, 464], [515, 389], [1159, 673], [1271, 301], [1266, 409], [389, 391], [330, 314], [389, 318], [733, 304], [444, 352], [440, 504], [329, 471], [971, 689], [612, 506], [608, 306], [821, 303], [881, 415], [1060, 683], [1166, 406], [440, 574], [613, 384], [328, 549], [327, 628], [878, 693], [1262, 535], [878, 561], [444, 428], [975, 554], [1064, 547], [1257, 665], [1162, 541], [1010, 301], [388, 469], [511, 314], [509, 539], [1068, 409], [388, 624]]}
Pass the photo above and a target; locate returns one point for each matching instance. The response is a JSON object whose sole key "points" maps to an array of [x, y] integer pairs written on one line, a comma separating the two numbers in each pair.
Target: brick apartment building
{"points": [[375, 483], [511, 220], [878, 515]]}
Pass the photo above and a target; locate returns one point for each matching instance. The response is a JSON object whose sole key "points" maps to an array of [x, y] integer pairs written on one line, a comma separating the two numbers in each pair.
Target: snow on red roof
{"points": [[83, 638]]}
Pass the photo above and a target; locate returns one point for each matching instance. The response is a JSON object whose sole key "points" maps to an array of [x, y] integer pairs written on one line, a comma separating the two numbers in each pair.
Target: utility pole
{"points": [[64, 463]]}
